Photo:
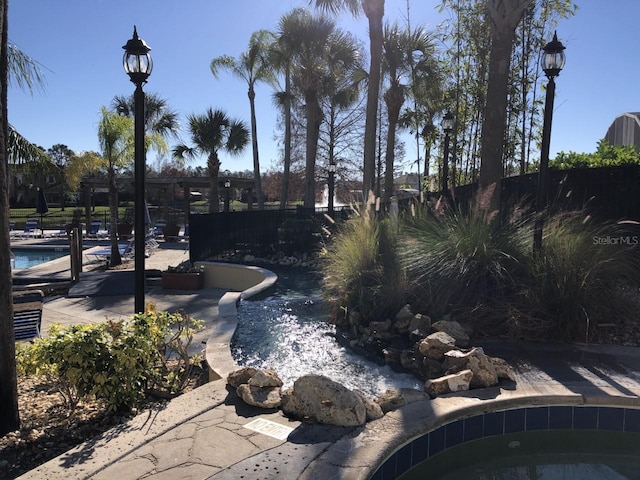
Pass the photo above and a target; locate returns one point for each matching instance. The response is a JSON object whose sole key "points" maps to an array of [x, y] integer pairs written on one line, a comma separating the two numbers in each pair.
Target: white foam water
{"points": [[291, 334]]}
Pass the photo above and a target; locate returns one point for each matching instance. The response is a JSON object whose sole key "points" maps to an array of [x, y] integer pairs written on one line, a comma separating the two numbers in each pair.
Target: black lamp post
{"points": [[447, 126], [227, 186], [552, 61], [332, 186], [138, 65]]}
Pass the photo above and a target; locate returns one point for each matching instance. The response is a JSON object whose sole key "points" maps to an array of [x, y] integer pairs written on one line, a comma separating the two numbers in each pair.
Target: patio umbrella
{"points": [[41, 207]]}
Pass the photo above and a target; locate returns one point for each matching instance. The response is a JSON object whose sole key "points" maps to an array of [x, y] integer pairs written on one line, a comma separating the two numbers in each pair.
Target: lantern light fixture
{"points": [[137, 61], [553, 59]]}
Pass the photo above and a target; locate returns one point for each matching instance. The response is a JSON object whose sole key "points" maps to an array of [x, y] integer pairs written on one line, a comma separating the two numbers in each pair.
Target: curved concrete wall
{"points": [[242, 281]]}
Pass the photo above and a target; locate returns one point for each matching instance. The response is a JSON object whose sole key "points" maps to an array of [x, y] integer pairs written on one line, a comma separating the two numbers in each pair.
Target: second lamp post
{"points": [[138, 65], [552, 61]]}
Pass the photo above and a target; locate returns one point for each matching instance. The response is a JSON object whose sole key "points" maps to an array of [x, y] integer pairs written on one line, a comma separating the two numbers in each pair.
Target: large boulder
{"points": [[240, 376], [454, 329], [322, 400], [484, 371], [265, 378], [456, 382], [264, 397], [436, 345]]}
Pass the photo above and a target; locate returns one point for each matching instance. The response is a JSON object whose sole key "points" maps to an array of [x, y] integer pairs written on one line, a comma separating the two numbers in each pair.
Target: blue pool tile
{"points": [[436, 441], [454, 434], [514, 421], [537, 418], [473, 428], [403, 460], [493, 424], [585, 418], [389, 468], [420, 449], [610, 419], [631, 420], [561, 417]]}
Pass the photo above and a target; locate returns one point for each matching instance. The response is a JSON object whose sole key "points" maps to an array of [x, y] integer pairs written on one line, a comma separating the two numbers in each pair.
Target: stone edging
{"points": [[247, 281]]}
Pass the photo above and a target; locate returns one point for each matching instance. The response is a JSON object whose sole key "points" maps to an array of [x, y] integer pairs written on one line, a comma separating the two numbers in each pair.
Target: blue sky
{"points": [[79, 44]]}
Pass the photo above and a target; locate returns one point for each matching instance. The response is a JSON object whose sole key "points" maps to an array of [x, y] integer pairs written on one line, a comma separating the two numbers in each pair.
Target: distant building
{"points": [[625, 130]]}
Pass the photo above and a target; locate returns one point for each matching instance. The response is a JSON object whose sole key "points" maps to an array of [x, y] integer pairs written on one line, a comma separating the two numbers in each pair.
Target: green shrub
{"points": [[361, 269], [117, 362]]}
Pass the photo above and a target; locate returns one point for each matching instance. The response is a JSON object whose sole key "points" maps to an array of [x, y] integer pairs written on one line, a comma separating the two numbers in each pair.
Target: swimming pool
{"points": [[29, 257], [537, 442], [541, 455]]}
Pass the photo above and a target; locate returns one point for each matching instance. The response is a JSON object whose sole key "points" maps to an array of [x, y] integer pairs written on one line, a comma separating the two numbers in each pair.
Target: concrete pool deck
{"points": [[210, 434]]}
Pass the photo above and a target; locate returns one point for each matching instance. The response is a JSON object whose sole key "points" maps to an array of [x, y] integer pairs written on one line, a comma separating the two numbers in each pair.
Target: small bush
{"points": [[117, 362]]}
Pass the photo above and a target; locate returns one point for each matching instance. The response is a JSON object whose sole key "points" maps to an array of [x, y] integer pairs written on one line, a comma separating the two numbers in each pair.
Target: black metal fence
{"points": [[256, 232], [611, 193]]}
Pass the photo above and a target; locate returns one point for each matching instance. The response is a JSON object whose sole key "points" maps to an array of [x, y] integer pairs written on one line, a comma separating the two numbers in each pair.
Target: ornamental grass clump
{"points": [[460, 262], [362, 271], [580, 278]]}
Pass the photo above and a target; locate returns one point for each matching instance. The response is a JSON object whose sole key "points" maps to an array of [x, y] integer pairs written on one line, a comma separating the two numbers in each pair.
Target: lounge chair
{"points": [[125, 249], [95, 230], [158, 228], [30, 229], [61, 233], [27, 314]]}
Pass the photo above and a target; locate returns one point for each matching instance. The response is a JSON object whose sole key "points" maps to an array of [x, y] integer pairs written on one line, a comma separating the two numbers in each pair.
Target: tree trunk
{"points": [[505, 16], [254, 146], [213, 164], [394, 99], [287, 141], [115, 258], [314, 116], [9, 418], [374, 10]]}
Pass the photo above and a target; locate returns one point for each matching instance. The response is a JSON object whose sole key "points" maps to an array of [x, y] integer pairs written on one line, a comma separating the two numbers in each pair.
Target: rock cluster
{"points": [[313, 398], [437, 352]]}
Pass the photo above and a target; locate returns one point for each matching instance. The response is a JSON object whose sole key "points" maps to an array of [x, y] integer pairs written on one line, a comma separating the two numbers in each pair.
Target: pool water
{"points": [[538, 455], [25, 258], [288, 330]]}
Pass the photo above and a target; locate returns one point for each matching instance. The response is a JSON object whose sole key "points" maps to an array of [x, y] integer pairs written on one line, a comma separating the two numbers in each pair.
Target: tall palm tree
{"points": [[211, 132], [252, 66], [321, 50], [116, 138], [159, 118], [281, 59], [401, 47], [374, 11]]}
